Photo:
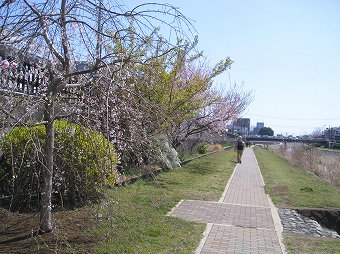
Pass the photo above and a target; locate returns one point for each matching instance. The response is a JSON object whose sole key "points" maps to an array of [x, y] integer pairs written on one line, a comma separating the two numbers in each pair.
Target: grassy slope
{"points": [[297, 244], [290, 186], [134, 217]]}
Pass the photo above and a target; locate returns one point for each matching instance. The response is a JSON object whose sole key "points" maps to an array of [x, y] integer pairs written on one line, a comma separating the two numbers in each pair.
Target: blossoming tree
{"points": [[60, 51]]}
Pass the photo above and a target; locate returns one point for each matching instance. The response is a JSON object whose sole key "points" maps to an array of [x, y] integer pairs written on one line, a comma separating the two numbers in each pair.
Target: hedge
{"points": [[84, 165]]}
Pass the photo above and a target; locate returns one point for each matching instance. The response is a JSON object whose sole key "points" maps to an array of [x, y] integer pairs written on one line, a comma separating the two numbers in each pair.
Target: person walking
{"points": [[239, 147]]}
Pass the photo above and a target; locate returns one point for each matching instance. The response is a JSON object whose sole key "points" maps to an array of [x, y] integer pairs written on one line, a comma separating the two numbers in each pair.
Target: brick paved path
{"points": [[242, 220]]}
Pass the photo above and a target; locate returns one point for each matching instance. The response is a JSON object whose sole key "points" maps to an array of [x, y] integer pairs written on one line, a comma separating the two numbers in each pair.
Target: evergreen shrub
{"points": [[202, 148], [84, 165]]}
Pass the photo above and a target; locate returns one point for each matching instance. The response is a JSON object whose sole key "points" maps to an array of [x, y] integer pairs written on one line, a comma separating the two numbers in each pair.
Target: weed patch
{"points": [[321, 163]]}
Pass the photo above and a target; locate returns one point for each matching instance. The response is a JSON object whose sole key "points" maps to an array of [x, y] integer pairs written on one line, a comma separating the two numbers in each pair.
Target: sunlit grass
{"points": [[291, 186], [133, 219], [297, 244]]}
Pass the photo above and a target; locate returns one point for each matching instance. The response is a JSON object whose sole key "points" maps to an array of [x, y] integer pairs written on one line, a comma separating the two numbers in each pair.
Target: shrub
{"points": [[202, 148], [84, 164], [214, 147]]}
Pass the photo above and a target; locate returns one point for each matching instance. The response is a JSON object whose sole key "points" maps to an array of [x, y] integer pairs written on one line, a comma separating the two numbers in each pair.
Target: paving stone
{"points": [[220, 213], [241, 221], [242, 240]]}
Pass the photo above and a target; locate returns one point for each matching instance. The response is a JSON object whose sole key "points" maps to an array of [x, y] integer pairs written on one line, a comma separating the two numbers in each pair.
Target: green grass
{"points": [[290, 186], [297, 244], [189, 156], [133, 218]]}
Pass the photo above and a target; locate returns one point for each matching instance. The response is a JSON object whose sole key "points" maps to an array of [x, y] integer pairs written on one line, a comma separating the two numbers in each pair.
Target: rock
{"points": [[165, 154], [297, 223]]}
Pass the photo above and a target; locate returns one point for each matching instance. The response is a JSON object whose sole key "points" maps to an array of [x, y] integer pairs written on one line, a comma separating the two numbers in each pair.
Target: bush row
{"points": [[84, 164]]}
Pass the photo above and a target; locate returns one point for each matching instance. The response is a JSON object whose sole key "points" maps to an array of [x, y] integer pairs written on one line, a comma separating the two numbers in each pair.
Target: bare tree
{"points": [[70, 47], [317, 133]]}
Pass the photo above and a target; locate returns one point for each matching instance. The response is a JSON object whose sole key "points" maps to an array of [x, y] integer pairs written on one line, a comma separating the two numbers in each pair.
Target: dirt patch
{"points": [[70, 235], [282, 189]]}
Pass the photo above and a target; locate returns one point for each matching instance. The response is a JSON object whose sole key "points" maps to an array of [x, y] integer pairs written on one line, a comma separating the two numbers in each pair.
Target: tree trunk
{"points": [[46, 195]]}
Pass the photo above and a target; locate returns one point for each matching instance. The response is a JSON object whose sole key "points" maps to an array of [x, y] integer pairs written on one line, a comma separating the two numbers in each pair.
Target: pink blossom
{"points": [[14, 65], [4, 64]]}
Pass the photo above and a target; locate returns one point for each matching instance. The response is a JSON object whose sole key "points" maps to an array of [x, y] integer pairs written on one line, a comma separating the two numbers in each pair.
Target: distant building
{"points": [[258, 127], [333, 134]]}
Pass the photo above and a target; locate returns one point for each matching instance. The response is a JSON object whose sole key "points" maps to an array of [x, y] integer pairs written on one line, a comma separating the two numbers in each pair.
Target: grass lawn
{"points": [[297, 244], [290, 186], [133, 218], [189, 156]]}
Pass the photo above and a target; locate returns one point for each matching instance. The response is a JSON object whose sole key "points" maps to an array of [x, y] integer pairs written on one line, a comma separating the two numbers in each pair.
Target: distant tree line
{"points": [[266, 131]]}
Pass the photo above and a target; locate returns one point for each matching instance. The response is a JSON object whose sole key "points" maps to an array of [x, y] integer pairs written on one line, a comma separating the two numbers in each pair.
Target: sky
{"points": [[286, 51]]}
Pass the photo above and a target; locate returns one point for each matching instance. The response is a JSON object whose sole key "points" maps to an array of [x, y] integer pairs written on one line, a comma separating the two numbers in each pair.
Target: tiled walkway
{"points": [[242, 220]]}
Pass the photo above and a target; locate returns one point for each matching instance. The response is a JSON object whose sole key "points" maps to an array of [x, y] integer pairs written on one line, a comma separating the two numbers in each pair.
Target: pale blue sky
{"points": [[286, 51]]}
